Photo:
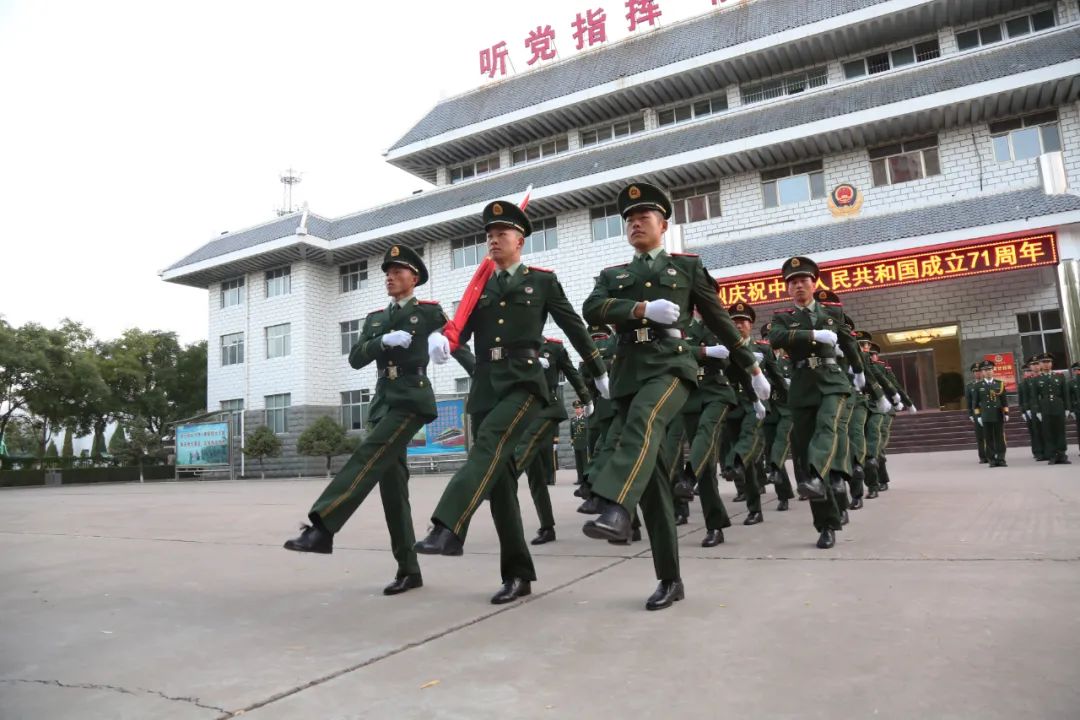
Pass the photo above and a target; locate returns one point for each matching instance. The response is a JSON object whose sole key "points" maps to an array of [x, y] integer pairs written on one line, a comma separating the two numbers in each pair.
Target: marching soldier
{"points": [[900, 401], [778, 426], [579, 440], [992, 412], [603, 413], [507, 393], [650, 300], [534, 453], [864, 397], [819, 392], [395, 339], [877, 412], [1051, 406], [1074, 397], [970, 392]]}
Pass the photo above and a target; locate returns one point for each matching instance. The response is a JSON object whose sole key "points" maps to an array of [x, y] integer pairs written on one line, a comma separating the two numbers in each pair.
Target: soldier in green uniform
{"points": [[818, 394], [508, 391], [866, 396], [1051, 406], [778, 426], [579, 440], [1074, 397], [876, 413], [603, 412], [992, 412], [395, 339], [900, 401], [650, 301], [1027, 399], [534, 452], [969, 400]]}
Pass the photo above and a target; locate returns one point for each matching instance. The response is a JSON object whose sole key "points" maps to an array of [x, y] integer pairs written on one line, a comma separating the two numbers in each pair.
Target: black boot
{"points": [[781, 505], [439, 541], [313, 538], [753, 518], [403, 583], [856, 503], [591, 506], [512, 590], [684, 487], [827, 539], [810, 488], [667, 592], [713, 538], [544, 535], [612, 524]]}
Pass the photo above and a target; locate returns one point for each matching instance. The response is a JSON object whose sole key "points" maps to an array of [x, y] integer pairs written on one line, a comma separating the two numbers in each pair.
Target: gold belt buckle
{"points": [[814, 362], [496, 353], [641, 335], [392, 372]]}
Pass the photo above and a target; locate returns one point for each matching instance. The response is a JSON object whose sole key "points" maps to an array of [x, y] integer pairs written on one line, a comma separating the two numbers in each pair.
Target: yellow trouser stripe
{"points": [[832, 451], [718, 430], [370, 463], [540, 432], [491, 468], [645, 445]]}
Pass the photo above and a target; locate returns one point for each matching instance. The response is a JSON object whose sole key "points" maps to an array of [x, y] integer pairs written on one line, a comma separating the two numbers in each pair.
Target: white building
{"points": [[940, 114]]}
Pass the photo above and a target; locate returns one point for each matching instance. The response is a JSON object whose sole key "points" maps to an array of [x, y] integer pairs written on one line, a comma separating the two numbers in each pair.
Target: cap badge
{"points": [[496, 209], [795, 262], [395, 251], [634, 192]]}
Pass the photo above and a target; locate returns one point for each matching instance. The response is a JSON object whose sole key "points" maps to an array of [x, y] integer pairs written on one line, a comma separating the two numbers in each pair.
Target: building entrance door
{"points": [[915, 371]]}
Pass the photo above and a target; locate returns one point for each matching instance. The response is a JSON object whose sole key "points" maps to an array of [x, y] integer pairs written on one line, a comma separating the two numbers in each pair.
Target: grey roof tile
{"points": [[843, 234]]}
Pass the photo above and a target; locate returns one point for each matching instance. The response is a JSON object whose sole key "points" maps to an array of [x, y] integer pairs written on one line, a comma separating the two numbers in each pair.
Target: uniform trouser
{"points": [[1076, 412], [857, 446], [980, 439], [748, 442], [534, 456], [634, 472], [704, 430], [380, 460], [581, 459], [778, 454], [488, 473], [597, 429], [671, 455], [875, 424], [994, 434], [814, 443], [1053, 433]]}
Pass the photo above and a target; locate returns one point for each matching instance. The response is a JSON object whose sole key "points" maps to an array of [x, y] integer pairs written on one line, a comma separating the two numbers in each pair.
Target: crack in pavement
{"points": [[115, 688]]}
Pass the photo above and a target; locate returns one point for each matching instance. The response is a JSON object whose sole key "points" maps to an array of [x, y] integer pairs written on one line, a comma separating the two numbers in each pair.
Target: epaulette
{"points": [[427, 302], [684, 254], [612, 267], [554, 340], [830, 304], [790, 311], [534, 267], [376, 310]]}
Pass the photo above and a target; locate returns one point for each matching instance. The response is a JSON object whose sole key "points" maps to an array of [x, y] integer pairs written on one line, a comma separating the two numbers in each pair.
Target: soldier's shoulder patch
{"points": [[830, 304], [554, 340], [376, 310], [689, 255], [616, 267], [427, 302], [541, 269], [789, 311]]}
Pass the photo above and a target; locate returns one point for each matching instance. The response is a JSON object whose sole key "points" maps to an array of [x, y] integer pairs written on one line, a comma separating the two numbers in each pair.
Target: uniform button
{"points": [[501, 321], [645, 321], [498, 339], [502, 304], [648, 284]]}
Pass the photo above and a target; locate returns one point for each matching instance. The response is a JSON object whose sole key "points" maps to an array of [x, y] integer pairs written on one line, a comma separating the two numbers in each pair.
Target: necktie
{"points": [[500, 278], [393, 310]]}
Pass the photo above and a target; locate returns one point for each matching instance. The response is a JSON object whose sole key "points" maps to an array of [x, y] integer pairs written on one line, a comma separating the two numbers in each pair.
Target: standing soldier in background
{"points": [[650, 300], [1051, 407], [395, 339], [507, 392], [535, 453], [970, 392], [579, 440], [992, 412], [1027, 399]]}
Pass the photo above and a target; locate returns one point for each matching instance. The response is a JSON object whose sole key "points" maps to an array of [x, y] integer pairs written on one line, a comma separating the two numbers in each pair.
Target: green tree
{"points": [[68, 451], [260, 444], [324, 438], [118, 443], [23, 367], [51, 452], [142, 444]]}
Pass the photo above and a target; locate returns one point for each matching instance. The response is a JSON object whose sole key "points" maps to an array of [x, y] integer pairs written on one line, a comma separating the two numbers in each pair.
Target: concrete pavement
{"points": [[954, 595]]}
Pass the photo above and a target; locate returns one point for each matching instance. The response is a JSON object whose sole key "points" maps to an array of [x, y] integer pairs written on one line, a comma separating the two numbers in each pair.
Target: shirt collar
{"points": [[512, 270], [403, 302], [653, 254]]}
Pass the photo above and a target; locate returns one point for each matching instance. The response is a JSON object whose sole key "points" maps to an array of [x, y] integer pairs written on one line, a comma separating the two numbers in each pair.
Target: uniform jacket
{"points": [[793, 330], [1051, 394], [713, 382], [990, 400], [679, 278], [558, 359], [603, 409]]}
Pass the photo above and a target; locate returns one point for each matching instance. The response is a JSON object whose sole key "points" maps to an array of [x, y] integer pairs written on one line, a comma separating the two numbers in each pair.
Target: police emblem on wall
{"points": [[845, 200]]}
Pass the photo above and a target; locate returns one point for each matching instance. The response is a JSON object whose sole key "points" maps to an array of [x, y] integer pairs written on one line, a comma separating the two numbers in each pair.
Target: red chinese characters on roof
{"points": [[541, 43], [493, 60], [641, 12], [591, 29]]}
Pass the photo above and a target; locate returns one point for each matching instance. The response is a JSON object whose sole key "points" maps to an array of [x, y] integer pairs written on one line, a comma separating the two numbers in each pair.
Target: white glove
{"points": [[601, 384], [787, 382], [1027, 415], [397, 338], [827, 337], [589, 408], [1070, 413], [761, 385], [661, 311], [1004, 417], [759, 357], [980, 422], [860, 381], [759, 410], [899, 407], [718, 352], [1039, 415], [971, 418], [884, 406], [896, 399], [912, 409], [438, 348], [544, 363]]}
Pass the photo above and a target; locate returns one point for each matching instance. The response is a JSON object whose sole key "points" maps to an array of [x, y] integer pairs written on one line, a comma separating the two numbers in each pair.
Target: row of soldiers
{"points": [[1046, 401], [664, 367]]}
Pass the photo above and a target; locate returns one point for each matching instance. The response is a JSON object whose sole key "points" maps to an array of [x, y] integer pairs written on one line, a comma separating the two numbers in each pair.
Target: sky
{"points": [[134, 132]]}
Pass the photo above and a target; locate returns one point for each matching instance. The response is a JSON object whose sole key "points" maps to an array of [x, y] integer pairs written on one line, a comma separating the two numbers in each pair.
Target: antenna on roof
{"points": [[288, 178]]}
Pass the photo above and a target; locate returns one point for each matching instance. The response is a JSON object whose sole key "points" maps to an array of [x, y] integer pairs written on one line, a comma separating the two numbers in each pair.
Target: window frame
{"points": [[920, 53], [348, 417], [234, 351], [350, 336], [784, 85], [280, 279], [546, 228], [541, 153], [467, 245], [272, 410], [490, 164], [606, 219], [634, 125], [680, 202], [882, 154], [807, 170], [692, 111], [346, 273], [235, 408], [229, 287], [1007, 129], [1041, 333], [284, 340], [1002, 27]]}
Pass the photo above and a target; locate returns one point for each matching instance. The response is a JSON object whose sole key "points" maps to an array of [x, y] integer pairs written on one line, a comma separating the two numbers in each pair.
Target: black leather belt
{"points": [[497, 354], [393, 372], [813, 362], [648, 334]]}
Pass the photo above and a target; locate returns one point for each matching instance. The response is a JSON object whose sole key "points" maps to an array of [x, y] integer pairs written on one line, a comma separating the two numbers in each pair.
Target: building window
{"points": [[278, 342], [793, 184], [235, 408], [1026, 137], [881, 62], [538, 151], [353, 276], [691, 111], [998, 31], [461, 385], [607, 133], [468, 251], [695, 204], [354, 408], [788, 85], [901, 162], [350, 335], [1040, 332], [278, 282], [545, 236], [276, 417], [474, 169], [232, 292], [232, 349], [606, 222]]}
